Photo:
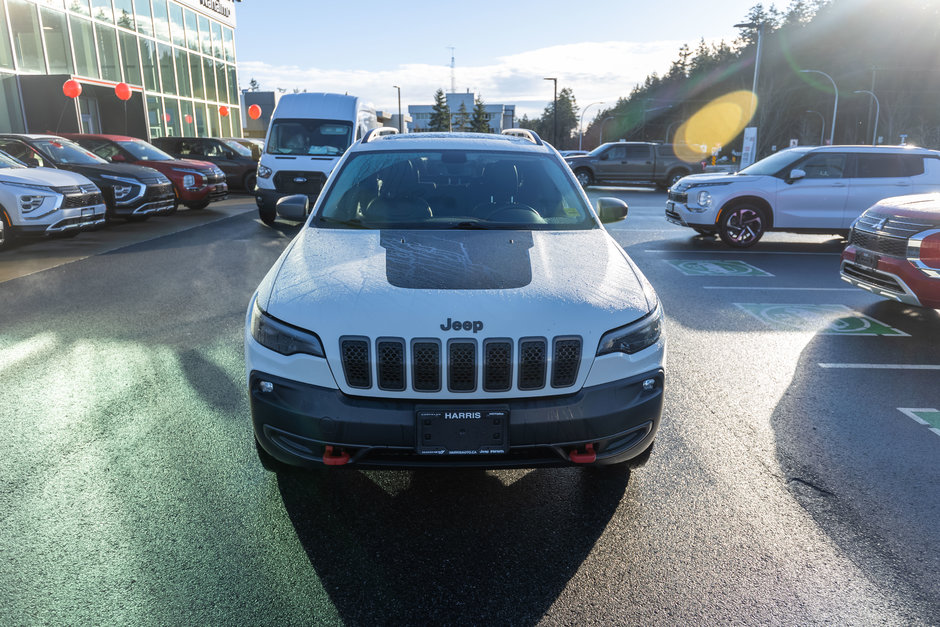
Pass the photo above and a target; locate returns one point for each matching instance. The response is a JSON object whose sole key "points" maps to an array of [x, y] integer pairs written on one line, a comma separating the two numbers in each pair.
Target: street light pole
{"points": [[760, 32], [399, 109], [581, 121], [874, 135], [822, 128], [603, 122], [555, 112], [835, 106]]}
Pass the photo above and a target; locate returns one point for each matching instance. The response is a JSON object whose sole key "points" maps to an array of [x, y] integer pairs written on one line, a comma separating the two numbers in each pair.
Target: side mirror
{"points": [[796, 175], [293, 207], [604, 157], [611, 209]]}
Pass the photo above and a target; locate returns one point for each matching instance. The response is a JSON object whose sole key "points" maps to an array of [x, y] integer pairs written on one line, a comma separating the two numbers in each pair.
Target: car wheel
{"points": [[249, 182], [673, 177], [267, 215], [202, 204], [741, 226], [6, 234], [584, 177]]}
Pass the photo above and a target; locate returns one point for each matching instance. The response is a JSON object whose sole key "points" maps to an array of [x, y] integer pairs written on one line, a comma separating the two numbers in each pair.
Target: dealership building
{"points": [[177, 57]]}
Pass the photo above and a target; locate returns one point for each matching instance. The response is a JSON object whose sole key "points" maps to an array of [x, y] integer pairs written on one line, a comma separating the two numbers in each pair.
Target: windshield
{"points": [[64, 152], [598, 150], [774, 163], [309, 137], [142, 151], [452, 189], [6, 161], [237, 147]]}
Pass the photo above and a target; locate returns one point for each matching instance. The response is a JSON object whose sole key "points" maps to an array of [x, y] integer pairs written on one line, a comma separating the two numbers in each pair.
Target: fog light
{"points": [[267, 386], [649, 384]]}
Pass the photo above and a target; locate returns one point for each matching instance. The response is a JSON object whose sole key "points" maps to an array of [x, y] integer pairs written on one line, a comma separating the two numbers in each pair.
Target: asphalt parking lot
{"points": [[794, 479]]}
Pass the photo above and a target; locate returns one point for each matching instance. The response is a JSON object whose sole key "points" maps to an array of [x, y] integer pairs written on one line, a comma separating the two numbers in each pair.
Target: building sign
{"points": [[220, 10], [749, 149]]}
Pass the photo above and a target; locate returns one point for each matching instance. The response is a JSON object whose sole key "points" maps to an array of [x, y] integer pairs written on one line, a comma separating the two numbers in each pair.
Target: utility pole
{"points": [[554, 112]]}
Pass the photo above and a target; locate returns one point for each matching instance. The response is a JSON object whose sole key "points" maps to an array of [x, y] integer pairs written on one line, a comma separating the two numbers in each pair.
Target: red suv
{"points": [[894, 250], [196, 183]]}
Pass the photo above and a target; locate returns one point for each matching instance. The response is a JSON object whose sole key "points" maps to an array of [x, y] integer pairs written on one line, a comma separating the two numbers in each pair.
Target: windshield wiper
{"points": [[470, 225]]}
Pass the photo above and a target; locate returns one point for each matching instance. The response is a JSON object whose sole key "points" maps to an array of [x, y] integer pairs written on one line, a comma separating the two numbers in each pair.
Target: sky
{"points": [[502, 51]]}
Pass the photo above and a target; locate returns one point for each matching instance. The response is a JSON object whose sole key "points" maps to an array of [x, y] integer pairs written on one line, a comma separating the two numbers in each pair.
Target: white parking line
{"points": [[805, 289], [917, 414], [882, 366]]}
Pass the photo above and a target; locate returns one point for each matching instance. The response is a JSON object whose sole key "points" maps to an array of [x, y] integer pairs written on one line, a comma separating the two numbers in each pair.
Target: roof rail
{"points": [[375, 133], [524, 133]]}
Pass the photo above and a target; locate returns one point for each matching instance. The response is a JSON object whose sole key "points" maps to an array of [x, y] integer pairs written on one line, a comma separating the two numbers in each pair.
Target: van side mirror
{"points": [[611, 209], [293, 207], [796, 174], [604, 156]]}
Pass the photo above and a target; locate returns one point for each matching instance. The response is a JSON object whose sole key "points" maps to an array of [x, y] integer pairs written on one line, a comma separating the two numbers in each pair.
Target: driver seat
{"points": [[499, 185]]}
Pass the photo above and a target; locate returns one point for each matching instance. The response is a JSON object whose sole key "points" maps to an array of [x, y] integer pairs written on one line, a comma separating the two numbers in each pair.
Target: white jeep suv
{"points": [[805, 190], [45, 201], [453, 300]]}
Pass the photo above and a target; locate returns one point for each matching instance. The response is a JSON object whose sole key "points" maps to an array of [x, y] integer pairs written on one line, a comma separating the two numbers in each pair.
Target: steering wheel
{"points": [[515, 213]]}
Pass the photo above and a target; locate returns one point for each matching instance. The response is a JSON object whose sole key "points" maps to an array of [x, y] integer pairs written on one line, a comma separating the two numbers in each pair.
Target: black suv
{"points": [[230, 156], [132, 192]]}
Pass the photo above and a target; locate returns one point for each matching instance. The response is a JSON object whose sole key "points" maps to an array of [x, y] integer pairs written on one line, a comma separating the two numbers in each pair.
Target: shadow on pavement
{"points": [[448, 546]]}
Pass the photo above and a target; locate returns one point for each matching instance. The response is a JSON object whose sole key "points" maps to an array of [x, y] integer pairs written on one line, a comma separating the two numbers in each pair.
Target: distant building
{"points": [[499, 116]]}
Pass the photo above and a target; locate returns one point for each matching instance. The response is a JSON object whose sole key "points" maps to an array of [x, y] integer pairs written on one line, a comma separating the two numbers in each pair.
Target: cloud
{"points": [[593, 70]]}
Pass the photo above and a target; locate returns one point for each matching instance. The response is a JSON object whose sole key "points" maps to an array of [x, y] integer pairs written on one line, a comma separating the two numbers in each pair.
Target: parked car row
{"points": [[60, 185], [884, 199]]}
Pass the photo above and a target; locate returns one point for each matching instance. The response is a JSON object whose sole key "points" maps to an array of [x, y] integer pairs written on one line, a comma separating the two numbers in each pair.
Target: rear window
{"points": [[454, 189], [888, 165]]}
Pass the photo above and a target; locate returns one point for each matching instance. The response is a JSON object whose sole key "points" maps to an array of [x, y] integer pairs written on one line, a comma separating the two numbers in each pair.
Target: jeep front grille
{"points": [[495, 364]]}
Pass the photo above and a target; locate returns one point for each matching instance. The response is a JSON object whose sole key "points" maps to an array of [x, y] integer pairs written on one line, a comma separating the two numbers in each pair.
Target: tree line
{"points": [[867, 47]]}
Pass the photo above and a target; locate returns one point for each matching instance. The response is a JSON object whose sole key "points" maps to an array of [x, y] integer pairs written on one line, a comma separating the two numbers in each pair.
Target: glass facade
{"points": [[182, 57]]}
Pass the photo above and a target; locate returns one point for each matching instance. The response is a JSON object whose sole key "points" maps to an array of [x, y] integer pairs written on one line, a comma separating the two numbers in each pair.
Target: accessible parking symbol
{"points": [[821, 319], [725, 267]]}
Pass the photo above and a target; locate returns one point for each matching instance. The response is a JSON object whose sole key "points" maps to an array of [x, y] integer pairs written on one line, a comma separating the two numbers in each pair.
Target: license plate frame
{"points": [[867, 259], [462, 431]]}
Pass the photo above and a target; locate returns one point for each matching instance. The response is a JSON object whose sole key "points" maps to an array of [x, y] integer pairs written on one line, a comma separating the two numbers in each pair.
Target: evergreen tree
{"points": [[480, 123], [440, 113], [462, 119], [253, 85]]}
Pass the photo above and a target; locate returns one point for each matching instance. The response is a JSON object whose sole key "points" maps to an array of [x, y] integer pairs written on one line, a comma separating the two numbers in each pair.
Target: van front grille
{"points": [[422, 365]]}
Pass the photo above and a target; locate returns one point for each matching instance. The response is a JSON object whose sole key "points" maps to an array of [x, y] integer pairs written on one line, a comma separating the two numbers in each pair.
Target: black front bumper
{"points": [[295, 422]]}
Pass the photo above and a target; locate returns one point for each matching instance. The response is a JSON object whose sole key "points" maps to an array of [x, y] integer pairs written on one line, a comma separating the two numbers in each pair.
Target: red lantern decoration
{"points": [[72, 88], [254, 112], [122, 91], [188, 118], [223, 111], [166, 116]]}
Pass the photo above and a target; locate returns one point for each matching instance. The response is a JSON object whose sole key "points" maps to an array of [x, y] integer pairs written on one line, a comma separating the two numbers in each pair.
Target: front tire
{"points": [[249, 182], [584, 177], [673, 177], [267, 215], [742, 226], [6, 233]]}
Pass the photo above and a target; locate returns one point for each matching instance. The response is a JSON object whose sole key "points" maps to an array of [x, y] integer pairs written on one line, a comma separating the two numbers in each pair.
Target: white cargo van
{"points": [[308, 134]]}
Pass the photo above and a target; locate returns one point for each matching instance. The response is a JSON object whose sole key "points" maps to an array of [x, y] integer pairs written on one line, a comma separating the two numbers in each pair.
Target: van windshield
{"points": [[309, 137]]}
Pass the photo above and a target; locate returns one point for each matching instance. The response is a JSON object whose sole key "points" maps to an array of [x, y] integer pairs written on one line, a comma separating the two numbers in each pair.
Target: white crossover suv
{"points": [[804, 190], [45, 201], [453, 300]]}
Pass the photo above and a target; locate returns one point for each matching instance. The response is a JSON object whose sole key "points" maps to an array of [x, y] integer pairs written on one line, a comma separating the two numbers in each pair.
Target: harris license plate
{"points": [[462, 431]]}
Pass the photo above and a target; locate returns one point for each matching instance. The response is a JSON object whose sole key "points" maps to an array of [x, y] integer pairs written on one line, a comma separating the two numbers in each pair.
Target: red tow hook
{"points": [[333, 458], [587, 457]]}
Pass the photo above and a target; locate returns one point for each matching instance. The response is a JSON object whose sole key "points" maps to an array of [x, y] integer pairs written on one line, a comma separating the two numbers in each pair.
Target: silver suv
{"points": [[804, 190]]}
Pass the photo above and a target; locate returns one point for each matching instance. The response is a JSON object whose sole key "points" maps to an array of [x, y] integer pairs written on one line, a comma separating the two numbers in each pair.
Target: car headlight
{"points": [[264, 171], [282, 338], [634, 337], [704, 198], [29, 203], [123, 188]]}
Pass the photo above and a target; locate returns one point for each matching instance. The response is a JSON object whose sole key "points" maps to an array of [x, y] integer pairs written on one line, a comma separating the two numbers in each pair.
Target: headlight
{"points": [[193, 178], [704, 198], [282, 338], [635, 336], [29, 204], [189, 181], [264, 171], [123, 188]]}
